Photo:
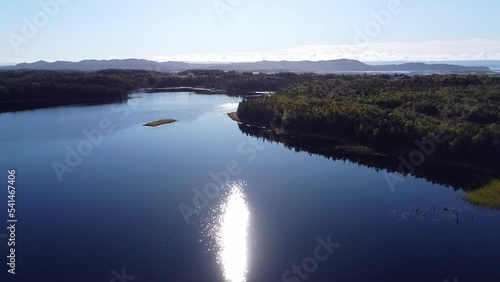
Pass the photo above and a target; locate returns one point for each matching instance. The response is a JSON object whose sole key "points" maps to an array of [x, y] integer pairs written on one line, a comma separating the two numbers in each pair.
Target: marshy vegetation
{"points": [[487, 196]]}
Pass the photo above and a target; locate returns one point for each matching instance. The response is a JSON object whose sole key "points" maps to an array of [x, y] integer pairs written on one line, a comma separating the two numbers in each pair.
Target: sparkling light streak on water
{"points": [[231, 234]]}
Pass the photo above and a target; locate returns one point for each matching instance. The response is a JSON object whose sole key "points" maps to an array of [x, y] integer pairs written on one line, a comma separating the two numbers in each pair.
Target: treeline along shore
{"points": [[30, 89], [391, 114]]}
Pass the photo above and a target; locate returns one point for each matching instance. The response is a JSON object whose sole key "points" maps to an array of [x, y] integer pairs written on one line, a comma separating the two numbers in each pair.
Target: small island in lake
{"points": [[160, 122]]}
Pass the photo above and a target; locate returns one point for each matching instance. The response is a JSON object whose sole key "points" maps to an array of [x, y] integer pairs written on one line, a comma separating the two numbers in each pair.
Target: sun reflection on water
{"points": [[227, 107], [231, 234]]}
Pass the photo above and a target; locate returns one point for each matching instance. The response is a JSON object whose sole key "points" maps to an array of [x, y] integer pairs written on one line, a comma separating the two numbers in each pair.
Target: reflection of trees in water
{"points": [[456, 176]]}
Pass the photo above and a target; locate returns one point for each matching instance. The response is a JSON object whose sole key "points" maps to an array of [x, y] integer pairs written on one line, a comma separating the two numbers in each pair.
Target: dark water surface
{"points": [[116, 216]]}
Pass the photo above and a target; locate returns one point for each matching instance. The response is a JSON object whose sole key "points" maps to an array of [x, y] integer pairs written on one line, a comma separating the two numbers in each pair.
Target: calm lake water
{"points": [[117, 215]]}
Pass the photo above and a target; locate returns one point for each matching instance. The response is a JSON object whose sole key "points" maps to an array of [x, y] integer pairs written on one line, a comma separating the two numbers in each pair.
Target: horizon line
{"points": [[239, 62]]}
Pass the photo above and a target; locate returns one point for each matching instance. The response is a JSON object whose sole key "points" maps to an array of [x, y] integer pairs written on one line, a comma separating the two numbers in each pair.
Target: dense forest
{"points": [[26, 89], [388, 112]]}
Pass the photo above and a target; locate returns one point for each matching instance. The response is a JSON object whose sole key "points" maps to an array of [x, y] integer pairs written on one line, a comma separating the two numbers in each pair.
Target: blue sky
{"points": [[249, 30]]}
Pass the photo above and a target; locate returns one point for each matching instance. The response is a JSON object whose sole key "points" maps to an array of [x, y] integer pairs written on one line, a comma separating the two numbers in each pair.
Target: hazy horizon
{"points": [[382, 62]]}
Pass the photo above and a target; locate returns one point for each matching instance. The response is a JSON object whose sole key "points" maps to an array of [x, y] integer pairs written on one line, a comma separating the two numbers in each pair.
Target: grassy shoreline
{"points": [[234, 116], [486, 196]]}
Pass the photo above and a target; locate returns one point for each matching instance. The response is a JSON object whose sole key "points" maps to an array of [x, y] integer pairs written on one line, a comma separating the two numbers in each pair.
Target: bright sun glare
{"points": [[232, 235]]}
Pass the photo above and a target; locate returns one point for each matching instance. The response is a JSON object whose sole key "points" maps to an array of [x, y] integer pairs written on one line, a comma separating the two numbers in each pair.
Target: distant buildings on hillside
{"points": [[175, 74]]}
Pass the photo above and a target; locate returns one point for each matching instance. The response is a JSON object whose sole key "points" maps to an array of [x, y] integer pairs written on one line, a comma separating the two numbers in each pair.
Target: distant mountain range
{"points": [[340, 66]]}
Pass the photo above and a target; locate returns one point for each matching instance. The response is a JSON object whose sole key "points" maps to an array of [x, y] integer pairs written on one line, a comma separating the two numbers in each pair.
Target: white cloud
{"points": [[475, 49]]}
